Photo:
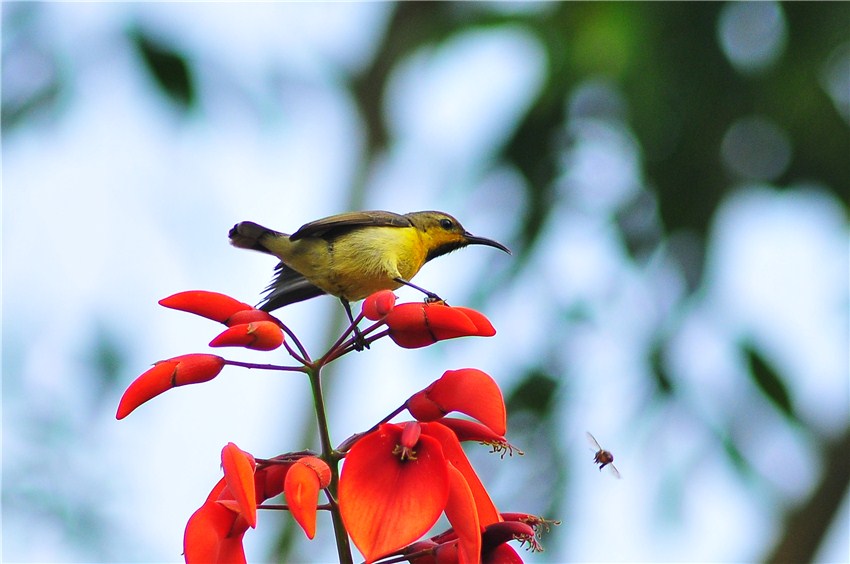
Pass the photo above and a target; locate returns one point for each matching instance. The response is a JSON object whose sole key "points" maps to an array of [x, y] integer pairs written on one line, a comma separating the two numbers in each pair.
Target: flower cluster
{"points": [[397, 478]]}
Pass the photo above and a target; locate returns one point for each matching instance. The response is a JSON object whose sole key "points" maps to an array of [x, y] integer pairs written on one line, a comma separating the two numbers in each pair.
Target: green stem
{"points": [[328, 455]]}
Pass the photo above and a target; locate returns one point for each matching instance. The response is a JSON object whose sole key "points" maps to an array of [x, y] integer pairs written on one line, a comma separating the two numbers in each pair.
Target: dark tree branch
{"points": [[807, 524]]}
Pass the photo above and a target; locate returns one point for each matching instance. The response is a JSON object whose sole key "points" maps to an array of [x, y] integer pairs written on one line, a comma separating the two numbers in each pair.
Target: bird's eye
{"points": [[446, 223]]}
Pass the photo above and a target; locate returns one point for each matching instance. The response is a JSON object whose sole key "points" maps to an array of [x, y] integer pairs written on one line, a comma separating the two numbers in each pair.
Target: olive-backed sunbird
{"points": [[354, 254]]}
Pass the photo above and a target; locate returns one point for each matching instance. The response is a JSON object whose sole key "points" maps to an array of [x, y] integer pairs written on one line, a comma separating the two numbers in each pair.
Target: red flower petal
{"points": [[502, 554], [250, 316], [423, 408], [259, 336], [214, 532], [388, 501], [487, 512], [461, 513], [414, 325], [167, 374], [231, 551], [301, 489], [211, 305], [320, 467], [378, 305], [206, 537], [468, 391], [447, 322], [268, 480], [505, 531], [467, 430], [448, 553], [239, 475], [428, 549], [482, 324], [196, 368]]}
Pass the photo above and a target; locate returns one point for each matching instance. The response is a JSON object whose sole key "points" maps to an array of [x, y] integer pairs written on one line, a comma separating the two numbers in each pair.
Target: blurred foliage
{"points": [[682, 96], [167, 66], [769, 382], [32, 82]]}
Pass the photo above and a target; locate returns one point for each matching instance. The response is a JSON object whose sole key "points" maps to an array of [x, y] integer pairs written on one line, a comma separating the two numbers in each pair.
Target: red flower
{"points": [[497, 534], [258, 335], [302, 484], [448, 547], [211, 535], [419, 324], [214, 532], [250, 316], [378, 305], [167, 374], [217, 307], [461, 513], [397, 480], [466, 430], [392, 490], [211, 305], [468, 391], [238, 468], [453, 451]]}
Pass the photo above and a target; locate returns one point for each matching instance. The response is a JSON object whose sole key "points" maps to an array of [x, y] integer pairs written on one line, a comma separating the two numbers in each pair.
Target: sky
{"points": [[120, 201]]}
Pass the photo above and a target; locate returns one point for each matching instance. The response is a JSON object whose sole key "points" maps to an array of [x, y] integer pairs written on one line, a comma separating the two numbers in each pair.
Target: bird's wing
{"points": [[288, 287], [345, 221]]}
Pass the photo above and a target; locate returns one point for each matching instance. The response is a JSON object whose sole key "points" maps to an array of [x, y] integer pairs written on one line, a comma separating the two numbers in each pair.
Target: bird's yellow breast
{"points": [[359, 262]]}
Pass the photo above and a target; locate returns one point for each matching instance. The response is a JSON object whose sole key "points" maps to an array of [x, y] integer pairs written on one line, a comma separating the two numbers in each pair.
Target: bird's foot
{"points": [[431, 298], [359, 340]]}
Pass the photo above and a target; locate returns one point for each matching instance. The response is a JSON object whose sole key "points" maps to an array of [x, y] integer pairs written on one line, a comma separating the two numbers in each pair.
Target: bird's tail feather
{"points": [[249, 235]]}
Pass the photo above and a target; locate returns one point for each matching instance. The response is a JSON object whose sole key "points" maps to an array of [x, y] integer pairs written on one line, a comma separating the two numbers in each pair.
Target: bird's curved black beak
{"points": [[473, 240]]}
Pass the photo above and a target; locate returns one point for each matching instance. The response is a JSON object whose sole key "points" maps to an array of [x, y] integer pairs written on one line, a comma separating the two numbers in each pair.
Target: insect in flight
{"points": [[603, 457]]}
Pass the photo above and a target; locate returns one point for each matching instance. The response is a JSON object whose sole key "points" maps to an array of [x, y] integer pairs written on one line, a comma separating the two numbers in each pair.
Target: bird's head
{"points": [[442, 234]]}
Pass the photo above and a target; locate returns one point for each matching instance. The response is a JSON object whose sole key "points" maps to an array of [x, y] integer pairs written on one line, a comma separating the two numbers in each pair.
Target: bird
{"points": [[354, 254]]}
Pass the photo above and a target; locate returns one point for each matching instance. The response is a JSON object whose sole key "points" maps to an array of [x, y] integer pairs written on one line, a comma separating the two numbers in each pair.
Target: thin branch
{"points": [[265, 366]]}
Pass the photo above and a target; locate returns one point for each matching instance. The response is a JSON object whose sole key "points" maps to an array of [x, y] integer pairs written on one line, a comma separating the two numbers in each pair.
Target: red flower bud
{"points": [[250, 316], [482, 324], [167, 374], [414, 325], [378, 305], [301, 487], [320, 467], [259, 335], [211, 305]]}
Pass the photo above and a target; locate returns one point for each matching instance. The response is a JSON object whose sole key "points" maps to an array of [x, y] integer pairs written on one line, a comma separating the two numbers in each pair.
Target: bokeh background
{"points": [[672, 178]]}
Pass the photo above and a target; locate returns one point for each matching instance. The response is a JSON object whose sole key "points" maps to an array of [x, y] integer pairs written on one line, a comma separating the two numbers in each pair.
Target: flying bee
{"points": [[602, 457]]}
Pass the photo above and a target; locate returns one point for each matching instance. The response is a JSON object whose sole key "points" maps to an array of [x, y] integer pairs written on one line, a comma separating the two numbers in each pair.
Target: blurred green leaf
{"points": [[663, 382], [168, 68], [535, 393], [769, 382], [735, 455], [108, 357]]}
